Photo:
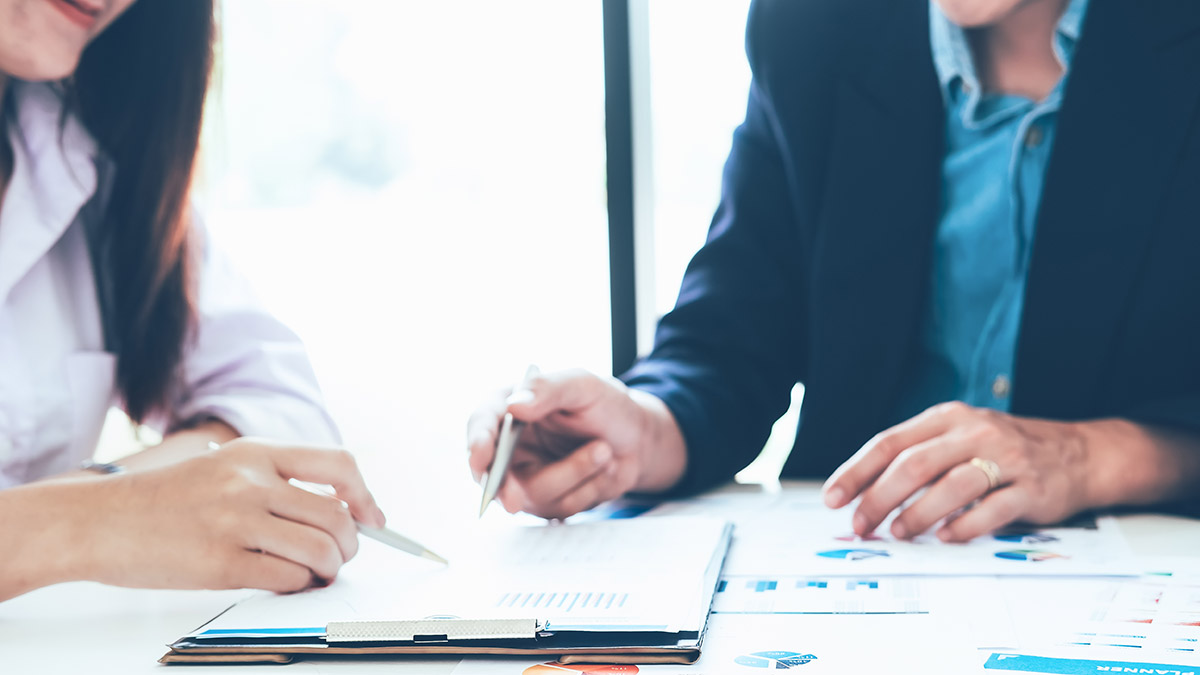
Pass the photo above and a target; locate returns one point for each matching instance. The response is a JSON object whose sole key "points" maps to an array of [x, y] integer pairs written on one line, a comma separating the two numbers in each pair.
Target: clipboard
{"points": [[590, 630]]}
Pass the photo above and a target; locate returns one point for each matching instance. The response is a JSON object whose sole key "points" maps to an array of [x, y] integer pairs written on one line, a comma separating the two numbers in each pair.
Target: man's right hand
{"points": [[589, 439]]}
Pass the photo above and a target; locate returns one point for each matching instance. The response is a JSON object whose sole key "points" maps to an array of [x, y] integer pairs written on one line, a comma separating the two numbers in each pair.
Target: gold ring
{"points": [[989, 469]]}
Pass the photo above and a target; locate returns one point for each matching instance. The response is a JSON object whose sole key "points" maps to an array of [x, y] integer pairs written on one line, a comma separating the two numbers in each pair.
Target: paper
{"points": [[794, 533], [1155, 617], [783, 594], [911, 644], [645, 575]]}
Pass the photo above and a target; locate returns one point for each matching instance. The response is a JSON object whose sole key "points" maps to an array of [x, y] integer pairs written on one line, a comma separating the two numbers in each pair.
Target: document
{"points": [[795, 533], [635, 583], [1155, 616]]}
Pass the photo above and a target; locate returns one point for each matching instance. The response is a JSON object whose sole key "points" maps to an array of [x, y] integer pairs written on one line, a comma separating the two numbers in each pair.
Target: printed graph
{"points": [[1029, 554], [817, 595], [774, 660], [854, 554], [565, 602]]}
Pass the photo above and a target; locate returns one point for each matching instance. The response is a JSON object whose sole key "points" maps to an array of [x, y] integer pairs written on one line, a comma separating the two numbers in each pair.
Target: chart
{"points": [[774, 660], [854, 553], [818, 595], [1029, 554], [796, 533], [1027, 538]]}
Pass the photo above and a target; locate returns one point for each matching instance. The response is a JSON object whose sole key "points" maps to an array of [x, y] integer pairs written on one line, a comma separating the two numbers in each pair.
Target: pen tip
{"points": [[483, 508], [435, 557]]}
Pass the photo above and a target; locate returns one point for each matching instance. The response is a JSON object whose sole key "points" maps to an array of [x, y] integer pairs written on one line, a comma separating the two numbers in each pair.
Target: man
{"points": [[968, 229]]}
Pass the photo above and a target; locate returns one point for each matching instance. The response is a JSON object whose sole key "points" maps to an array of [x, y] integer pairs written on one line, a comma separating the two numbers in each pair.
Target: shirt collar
{"points": [[952, 56], [53, 155]]}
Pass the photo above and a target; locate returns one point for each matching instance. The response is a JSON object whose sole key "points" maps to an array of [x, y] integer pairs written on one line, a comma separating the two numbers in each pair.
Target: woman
{"points": [[969, 228], [108, 292]]}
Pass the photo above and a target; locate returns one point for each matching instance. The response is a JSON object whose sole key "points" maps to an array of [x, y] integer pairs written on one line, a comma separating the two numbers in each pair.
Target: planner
{"points": [[629, 590]]}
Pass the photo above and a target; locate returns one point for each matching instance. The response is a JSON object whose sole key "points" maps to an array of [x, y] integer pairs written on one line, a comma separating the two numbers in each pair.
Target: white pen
{"points": [[382, 535], [510, 433]]}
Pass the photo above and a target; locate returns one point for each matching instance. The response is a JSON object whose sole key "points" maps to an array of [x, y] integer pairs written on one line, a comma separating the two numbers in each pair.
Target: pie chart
{"points": [[1027, 554], [774, 660], [854, 553], [1026, 538], [553, 668]]}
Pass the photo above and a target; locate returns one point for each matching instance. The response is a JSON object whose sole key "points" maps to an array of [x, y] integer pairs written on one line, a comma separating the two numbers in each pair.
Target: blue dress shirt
{"points": [[997, 149]]}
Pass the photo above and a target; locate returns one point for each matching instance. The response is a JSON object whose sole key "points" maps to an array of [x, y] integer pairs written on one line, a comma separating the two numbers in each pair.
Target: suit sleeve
{"points": [[1180, 414], [727, 356], [244, 366]]}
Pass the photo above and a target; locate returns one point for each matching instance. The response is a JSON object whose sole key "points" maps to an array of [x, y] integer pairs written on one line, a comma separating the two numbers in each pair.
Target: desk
{"points": [[84, 628]]}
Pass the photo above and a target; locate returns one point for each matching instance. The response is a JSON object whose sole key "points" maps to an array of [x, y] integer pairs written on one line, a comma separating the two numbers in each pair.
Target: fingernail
{"points": [[860, 523], [943, 534], [601, 454], [899, 531], [520, 397], [380, 519], [835, 497]]}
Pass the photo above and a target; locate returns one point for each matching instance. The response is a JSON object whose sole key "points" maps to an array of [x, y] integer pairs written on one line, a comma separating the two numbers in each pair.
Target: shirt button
{"points": [[1001, 387], [1034, 136]]}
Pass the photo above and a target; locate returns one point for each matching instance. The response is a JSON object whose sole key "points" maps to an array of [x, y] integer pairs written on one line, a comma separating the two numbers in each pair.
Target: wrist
{"points": [[1125, 464], [78, 536], [661, 447], [46, 529]]}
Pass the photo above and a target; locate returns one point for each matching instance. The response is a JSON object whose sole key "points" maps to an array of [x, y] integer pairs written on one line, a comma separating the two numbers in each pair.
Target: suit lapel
{"points": [[871, 268], [1130, 101]]}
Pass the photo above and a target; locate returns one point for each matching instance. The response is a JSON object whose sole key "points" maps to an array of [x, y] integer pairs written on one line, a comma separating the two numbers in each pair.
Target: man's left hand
{"points": [[1026, 469]]}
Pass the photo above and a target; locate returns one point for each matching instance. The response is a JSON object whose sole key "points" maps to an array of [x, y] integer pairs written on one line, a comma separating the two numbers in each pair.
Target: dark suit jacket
{"points": [[817, 262]]}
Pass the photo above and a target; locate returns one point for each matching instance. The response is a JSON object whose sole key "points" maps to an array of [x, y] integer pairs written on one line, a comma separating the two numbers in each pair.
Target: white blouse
{"points": [[56, 379]]}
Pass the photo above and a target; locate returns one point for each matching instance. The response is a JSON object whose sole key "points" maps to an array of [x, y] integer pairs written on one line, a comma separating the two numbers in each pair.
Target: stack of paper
{"points": [[613, 588]]}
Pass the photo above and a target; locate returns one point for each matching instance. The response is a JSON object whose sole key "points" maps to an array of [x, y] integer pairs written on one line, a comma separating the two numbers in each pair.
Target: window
{"points": [[417, 188], [699, 83]]}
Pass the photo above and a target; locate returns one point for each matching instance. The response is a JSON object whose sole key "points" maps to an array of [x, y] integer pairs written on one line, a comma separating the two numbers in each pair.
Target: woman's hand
{"points": [[1045, 473], [588, 440], [227, 519]]}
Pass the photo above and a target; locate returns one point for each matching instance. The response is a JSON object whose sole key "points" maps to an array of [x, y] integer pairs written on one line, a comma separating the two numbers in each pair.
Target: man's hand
{"points": [[589, 439], [1045, 473]]}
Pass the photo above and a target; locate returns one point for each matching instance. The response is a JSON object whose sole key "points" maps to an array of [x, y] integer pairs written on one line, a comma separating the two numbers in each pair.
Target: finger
{"points": [[912, 470], [564, 391], [960, 486], [269, 572], [326, 513], [482, 431], [618, 478], [512, 496], [865, 467], [333, 467], [554, 481], [511, 493], [302, 544], [994, 511]]}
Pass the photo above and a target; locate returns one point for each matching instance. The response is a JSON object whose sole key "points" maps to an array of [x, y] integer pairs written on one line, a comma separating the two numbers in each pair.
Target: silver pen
{"points": [[510, 433]]}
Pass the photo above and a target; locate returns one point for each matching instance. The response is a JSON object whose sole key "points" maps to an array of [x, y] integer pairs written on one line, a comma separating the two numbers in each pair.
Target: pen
{"points": [[510, 433], [396, 540], [382, 535]]}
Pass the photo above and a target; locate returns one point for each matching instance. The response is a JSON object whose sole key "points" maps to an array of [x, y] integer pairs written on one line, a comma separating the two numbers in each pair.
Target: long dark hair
{"points": [[139, 89]]}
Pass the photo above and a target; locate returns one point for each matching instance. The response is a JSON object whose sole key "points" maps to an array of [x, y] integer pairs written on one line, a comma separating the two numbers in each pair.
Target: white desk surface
{"points": [[84, 628]]}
